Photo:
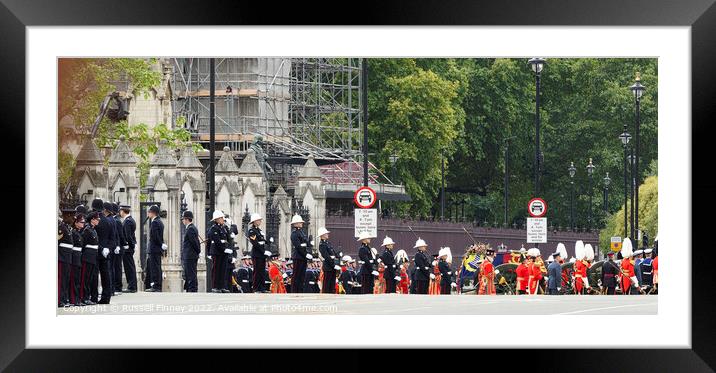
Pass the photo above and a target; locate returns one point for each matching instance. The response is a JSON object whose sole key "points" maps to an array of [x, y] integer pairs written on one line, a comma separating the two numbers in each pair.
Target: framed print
{"points": [[491, 174]]}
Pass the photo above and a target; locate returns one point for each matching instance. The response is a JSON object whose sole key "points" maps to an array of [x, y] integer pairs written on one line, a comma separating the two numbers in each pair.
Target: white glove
{"points": [[337, 268], [586, 282], [396, 278], [370, 261], [634, 281], [228, 251], [208, 257], [375, 273], [497, 271], [312, 242], [116, 250], [435, 262], [546, 278], [233, 260], [380, 260], [309, 256], [453, 285], [267, 253], [105, 252], [285, 275], [432, 276], [233, 235], [164, 246]]}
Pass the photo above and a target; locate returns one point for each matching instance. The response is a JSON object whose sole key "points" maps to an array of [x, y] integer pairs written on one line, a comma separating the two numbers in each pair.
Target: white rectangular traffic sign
{"points": [[536, 230], [366, 220]]}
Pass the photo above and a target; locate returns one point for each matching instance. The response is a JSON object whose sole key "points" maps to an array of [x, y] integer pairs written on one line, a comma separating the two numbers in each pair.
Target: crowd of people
{"points": [[99, 245]]}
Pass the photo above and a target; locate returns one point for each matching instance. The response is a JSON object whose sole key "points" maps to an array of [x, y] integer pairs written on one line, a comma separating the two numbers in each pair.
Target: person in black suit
{"points": [[107, 242], [259, 252], [610, 271], [88, 274], [219, 237], [331, 259], [366, 260], [423, 268], [244, 274], [391, 274], [156, 249], [76, 269], [117, 256], [64, 252], [190, 250], [129, 227]]}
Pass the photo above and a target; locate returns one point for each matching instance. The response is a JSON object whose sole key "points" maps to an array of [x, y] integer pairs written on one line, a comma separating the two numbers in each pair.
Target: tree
{"points": [[648, 215]]}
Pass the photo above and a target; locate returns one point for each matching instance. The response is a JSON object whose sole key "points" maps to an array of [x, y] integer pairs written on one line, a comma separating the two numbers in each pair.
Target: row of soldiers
{"points": [[94, 248]]}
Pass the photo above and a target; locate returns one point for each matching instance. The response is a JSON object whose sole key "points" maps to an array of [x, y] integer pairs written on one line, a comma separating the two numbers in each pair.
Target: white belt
{"points": [[262, 242], [361, 262], [311, 282], [244, 280], [303, 245], [66, 245], [92, 246], [77, 248], [125, 247], [223, 241]]}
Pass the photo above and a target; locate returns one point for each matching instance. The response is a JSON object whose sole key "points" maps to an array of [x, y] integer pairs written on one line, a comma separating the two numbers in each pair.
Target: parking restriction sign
{"points": [[365, 197], [537, 207]]}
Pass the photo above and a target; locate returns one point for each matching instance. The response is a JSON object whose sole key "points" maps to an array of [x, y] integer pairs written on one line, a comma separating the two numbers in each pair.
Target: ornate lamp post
{"points": [[637, 90], [632, 161], [572, 171], [537, 64], [590, 172], [607, 181], [393, 159], [625, 137]]}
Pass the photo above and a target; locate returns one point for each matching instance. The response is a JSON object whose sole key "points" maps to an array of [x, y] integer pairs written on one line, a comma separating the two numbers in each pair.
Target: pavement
{"points": [[371, 304]]}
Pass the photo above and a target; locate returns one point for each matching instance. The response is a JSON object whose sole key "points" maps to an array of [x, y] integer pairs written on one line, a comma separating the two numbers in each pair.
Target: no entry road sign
{"points": [[537, 207], [365, 197]]}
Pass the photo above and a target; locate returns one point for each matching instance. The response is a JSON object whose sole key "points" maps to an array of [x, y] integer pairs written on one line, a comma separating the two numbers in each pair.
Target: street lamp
{"points": [[442, 185], [393, 159], [632, 161], [537, 64], [607, 181], [572, 171], [590, 172], [625, 137], [637, 90]]}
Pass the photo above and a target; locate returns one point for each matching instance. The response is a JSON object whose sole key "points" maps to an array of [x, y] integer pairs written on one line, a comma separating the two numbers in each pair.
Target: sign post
{"points": [[366, 217], [537, 224], [616, 244]]}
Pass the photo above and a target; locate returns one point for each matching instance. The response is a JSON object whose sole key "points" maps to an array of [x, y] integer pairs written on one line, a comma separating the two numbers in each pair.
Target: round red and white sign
{"points": [[537, 207], [365, 197]]}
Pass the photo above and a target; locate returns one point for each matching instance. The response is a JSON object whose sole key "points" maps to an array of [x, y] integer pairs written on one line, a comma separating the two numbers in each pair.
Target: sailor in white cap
{"points": [[259, 253], [221, 252], [447, 275], [638, 259], [331, 261], [301, 248], [391, 274], [646, 269], [423, 268], [348, 276], [367, 262]]}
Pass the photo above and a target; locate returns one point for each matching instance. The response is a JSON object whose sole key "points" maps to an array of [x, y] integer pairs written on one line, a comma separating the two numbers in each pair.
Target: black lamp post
{"points": [[507, 178], [590, 172], [442, 185], [607, 181], [537, 64], [632, 186], [638, 90], [572, 171], [625, 137], [393, 159]]}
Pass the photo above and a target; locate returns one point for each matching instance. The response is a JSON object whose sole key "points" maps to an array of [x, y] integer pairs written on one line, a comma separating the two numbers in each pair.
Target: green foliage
{"points": [[648, 214]]}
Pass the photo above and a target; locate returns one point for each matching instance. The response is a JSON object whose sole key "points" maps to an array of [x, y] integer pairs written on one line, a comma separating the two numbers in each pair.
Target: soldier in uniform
{"points": [[190, 250], [365, 259], [259, 253], [88, 274], [331, 260], [610, 271], [627, 268], [312, 274], [646, 269], [244, 274], [288, 274], [523, 274], [119, 250], [64, 255], [423, 270], [219, 237], [129, 227], [76, 270], [391, 273], [554, 274], [107, 242], [447, 277], [156, 249], [638, 258], [535, 272], [300, 253]]}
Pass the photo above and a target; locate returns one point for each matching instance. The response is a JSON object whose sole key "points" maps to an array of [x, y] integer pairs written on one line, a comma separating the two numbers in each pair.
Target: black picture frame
{"points": [[700, 15]]}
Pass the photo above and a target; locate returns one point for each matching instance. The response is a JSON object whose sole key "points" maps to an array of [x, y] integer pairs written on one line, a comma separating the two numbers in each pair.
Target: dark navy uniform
{"points": [[76, 270], [365, 256], [446, 276], [422, 272], [311, 284], [347, 279], [647, 273], [107, 242], [190, 251], [609, 275], [89, 271], [118, 254], [300, 247], [155, 249], [244, 276], [391, 270], [258, 256], [129, 227], [221, 252], [329, 266], [64, 261]]}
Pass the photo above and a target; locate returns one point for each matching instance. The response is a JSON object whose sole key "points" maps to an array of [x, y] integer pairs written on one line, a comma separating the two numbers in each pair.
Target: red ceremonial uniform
{"points": [[535, 274], [404, 285], [655, 268], [580, 272], [487, 278], [523, 274], [276, 279], [434, 287], [627, 273]]}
